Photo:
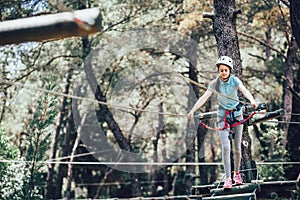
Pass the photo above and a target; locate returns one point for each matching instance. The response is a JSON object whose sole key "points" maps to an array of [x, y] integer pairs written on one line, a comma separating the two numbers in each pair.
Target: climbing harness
{"points": [[229, 119], [228, 124], [234, 122]]}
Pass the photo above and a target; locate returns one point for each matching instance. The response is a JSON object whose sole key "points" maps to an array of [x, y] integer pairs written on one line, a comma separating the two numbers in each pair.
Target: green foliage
{"points": [[12, 173], [272, 151], [38, 137], [7, 149], [276, 67], [255, 7]]}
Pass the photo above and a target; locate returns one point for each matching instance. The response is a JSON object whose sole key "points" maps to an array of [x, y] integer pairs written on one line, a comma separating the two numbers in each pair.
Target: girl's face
{"points": [[224, 71]]}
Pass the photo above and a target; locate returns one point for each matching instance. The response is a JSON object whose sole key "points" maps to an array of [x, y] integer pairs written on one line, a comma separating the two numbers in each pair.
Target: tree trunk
{"points": [[70, 165], [166, 180], [293, 141], [288, 83], [295, 19], [268, 34], [155, 140], [194, 89], [227, 42], [66, 147], [103, 109], [4, 100], [50, 188], [224, 26], [108, 172], [164, 159], [201, 134], [105, 113]]}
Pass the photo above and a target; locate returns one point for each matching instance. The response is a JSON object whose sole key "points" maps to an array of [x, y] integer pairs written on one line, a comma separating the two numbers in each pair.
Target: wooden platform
{"points": [[253, 190], [246, 191]]}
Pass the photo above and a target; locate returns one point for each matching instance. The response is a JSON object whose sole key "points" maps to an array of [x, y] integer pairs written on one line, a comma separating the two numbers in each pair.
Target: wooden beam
{"points": [[245, 188], [51, 27], [245, 196]]}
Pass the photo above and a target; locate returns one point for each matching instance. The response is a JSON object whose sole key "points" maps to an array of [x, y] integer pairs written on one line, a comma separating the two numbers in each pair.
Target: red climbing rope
{"points": [[227, 125]]}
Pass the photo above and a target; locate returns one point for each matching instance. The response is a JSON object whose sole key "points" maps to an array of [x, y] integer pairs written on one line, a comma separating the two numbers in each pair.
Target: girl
{"points": [[226, 86]]}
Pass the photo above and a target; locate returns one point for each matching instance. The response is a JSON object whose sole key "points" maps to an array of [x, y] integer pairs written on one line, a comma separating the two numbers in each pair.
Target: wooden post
{"points": [[51, 27]]}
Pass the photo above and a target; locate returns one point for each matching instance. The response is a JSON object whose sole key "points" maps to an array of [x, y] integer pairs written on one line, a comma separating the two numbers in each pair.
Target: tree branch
{"points": [[257, 56], [286, 2], [209, 16], [262, 43], [236, 12]]}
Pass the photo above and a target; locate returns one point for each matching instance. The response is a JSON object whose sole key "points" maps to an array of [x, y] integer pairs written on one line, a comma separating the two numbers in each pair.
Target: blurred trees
{"points": [[269, 57]]}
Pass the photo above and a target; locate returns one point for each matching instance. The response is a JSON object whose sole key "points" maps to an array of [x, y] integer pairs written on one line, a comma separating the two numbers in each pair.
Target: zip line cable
{"points": [[125, 108], [283, 122], [116, 106], [151, 164], [97, 152], [74, 156], [147, 163], [295, 114], [85, 99]]}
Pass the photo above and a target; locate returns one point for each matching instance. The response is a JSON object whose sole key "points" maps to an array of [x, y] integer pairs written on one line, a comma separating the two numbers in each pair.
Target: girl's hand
{"points": [[190, 115], [254, 104]]}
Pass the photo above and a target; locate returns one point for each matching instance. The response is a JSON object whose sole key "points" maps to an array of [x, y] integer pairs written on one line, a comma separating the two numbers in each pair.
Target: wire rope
{"points": [[85, 99], [149, 163]]}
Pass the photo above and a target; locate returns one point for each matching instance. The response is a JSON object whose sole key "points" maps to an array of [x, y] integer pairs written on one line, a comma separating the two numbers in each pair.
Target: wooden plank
{"points": [[179, 197], [244, 188], [273, 189], [51, 26], [245, 196]]}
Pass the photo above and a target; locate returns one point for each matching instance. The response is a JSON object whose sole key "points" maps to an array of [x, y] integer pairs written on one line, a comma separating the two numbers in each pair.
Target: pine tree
{"points": [[38, 138]]}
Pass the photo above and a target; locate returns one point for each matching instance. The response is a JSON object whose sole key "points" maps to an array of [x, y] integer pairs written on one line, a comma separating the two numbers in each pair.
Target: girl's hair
{"points": [[216, 84]]}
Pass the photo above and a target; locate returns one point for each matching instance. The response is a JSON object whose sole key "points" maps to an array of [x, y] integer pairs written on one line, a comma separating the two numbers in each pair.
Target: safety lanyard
{"points": [[226, 124]]}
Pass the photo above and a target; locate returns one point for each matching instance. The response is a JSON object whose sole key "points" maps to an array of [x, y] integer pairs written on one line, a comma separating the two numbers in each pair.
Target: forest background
{"points": [[146, 67]]}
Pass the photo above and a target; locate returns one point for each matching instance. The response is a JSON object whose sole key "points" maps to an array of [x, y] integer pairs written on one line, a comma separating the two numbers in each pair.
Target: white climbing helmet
{"points": [[226, 61]]}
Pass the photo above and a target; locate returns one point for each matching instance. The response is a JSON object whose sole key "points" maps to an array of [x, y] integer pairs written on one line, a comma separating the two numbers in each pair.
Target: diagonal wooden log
{"points": [[51, 26]]}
